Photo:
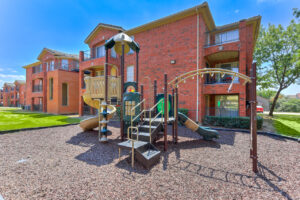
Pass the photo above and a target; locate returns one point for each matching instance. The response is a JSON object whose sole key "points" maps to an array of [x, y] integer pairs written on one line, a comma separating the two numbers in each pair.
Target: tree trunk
{"points": [[274, 102]]}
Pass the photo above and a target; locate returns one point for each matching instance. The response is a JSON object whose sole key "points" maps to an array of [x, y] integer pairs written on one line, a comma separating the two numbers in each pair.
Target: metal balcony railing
{"points": [[68, 67], [227, 79], [37, 88]]}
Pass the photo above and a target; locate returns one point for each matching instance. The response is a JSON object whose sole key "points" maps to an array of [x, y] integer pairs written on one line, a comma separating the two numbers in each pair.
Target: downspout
{"points": [[197, 99]]}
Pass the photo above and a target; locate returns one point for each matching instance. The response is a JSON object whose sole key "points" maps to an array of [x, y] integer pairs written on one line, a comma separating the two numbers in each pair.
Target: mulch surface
{"points": [[65, 163]]}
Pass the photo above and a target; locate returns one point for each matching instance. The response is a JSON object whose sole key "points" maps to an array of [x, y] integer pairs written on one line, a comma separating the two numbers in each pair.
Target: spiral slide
{"points": [[93, 122], [206, 132]]}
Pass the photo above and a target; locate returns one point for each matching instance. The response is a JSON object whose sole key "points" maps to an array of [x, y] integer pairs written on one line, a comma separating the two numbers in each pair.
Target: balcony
{"points": [[217, 79], [67, 67], [37, 69], [37, 88], [215, 39]]}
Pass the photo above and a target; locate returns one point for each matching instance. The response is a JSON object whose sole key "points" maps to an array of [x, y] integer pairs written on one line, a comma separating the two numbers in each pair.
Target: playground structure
{"points": [[141, 126]]}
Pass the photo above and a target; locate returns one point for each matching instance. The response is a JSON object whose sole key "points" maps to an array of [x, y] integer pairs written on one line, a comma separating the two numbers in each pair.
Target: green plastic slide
{"points": [[206, 132]]}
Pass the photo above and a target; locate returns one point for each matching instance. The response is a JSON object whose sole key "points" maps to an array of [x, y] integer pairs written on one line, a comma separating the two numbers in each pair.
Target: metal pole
{"points": [[154, 94], [173, 124], [122, 91], [165, 111], [253, 151], [142, 98], [106, 75], [137, 71], [176, 113]]}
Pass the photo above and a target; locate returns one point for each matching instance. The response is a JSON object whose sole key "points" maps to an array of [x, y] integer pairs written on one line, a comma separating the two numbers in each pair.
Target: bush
{"points": [[184, 111], [118, 111], [232, 122]]}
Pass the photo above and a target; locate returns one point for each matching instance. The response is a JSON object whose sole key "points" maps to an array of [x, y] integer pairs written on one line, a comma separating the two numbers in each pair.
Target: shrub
{"points": [[184, 111], [232, 122]]}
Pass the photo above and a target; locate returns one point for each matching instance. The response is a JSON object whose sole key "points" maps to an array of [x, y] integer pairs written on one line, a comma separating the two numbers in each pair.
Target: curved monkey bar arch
{"points": [[211, 71]]}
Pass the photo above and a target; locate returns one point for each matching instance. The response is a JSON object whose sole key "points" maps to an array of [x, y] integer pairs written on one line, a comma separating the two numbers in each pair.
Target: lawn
{"points": [[288, 125], [14, 118]]}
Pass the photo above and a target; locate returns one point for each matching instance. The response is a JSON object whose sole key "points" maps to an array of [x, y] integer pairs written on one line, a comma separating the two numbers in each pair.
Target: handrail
{"points": [[132, 120], [132, 142], [150, 122], [138, 104], [156, 104]]}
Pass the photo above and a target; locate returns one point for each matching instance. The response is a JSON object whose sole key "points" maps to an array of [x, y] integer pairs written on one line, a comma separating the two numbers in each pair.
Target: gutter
{"points": [[197, 57]]}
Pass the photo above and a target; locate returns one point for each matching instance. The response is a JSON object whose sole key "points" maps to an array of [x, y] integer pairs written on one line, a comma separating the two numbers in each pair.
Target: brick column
{"points": [[45, 93], [242, 65], [32, 103]]}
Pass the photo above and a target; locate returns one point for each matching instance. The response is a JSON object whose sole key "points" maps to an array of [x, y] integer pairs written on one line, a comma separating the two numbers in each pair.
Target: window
{"points": [[76, 63], [233, 66], [227, 105], [46, 64], [113, 71], [51, 88], [113, 53], [128, 106], [100, 51], [64, 94], [130, 75], [64, 64], [227, 36], [51, 65]]}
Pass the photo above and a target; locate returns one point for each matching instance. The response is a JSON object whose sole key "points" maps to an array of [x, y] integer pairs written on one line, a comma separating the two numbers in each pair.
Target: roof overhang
{"points": [[200, 9], [32, 65], [99, 27]]}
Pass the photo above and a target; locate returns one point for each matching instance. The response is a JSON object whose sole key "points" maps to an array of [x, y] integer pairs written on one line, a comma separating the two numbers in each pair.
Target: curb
{"points": [[35, 128], [260, 133]]}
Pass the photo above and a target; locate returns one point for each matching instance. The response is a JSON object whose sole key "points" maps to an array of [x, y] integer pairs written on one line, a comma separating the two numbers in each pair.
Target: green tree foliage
{"points": [[267, 94], [277, 54], [288, 105]]}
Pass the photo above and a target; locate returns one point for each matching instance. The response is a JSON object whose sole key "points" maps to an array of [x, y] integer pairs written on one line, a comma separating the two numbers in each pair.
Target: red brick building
{"points": [[179, 43], [52, 83], [1, 97], [13, 94]]}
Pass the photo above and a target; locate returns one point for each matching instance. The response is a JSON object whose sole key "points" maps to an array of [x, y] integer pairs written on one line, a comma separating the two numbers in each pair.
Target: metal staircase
{"points": [[141, 137]]}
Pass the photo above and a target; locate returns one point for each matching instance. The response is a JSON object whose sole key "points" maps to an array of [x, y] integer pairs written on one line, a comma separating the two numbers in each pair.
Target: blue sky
{"points": [[28, 26]]}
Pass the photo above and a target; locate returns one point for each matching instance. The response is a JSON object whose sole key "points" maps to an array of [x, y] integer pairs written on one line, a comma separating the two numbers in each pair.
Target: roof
{"points": [[21, 82], [99, 27], [9, 84], [57, 54], [201, 9], [32, 64]]}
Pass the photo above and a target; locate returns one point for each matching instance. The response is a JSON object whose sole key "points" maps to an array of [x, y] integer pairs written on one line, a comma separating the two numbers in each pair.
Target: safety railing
{"points": [[138, 115], [155, 117]]}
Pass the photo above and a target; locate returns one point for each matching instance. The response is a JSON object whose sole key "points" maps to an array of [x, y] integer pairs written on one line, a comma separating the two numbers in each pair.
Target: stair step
{"points": [[146, 128], [148, 155], [128, 144]]}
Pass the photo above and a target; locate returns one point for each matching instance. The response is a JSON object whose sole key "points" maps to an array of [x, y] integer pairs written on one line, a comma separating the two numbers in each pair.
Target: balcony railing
{"points": [[87, 55], [227, 79], [37, 69], [222, 38], [68, 67], [37, 88]]}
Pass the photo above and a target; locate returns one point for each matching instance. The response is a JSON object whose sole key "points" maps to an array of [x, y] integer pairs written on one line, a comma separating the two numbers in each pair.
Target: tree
{"points": [[277, 54], [267, 94]]}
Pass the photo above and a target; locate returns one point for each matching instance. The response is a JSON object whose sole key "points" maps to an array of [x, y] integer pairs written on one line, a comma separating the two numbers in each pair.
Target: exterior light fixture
{"points": [[173, 61]]}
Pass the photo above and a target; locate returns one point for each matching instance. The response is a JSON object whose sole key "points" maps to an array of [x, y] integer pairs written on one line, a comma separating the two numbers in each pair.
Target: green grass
{"points": [[14, 118], [287, 125]]}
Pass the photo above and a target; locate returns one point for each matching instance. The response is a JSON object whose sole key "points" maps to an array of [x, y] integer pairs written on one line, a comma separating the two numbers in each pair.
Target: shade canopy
{"points": [[121, 38]]}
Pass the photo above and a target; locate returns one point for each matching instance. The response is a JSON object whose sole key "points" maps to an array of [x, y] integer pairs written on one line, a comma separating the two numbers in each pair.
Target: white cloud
{"points": [[237, 11], [1, 69], [22, 77]]}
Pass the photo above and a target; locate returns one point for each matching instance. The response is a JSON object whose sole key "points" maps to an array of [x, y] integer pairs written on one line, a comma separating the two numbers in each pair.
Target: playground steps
{"points": [[145, 153], [171, 119]]}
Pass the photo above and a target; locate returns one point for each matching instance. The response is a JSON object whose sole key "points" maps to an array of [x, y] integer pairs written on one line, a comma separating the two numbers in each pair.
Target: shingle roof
{"points": [[58, 54]]}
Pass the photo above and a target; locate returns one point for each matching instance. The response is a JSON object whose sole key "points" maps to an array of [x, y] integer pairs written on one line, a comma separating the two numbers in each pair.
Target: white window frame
{"points": [[130, 73], [130, 50], [113, 53], [228, 36]]}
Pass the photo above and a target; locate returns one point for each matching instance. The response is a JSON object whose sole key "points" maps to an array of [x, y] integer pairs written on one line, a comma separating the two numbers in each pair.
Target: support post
{"points": [[253, 150], [165, 112], [154, 94], [176, 113], [122, 91], [142, 98], [137, 71], [173, 124]]}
